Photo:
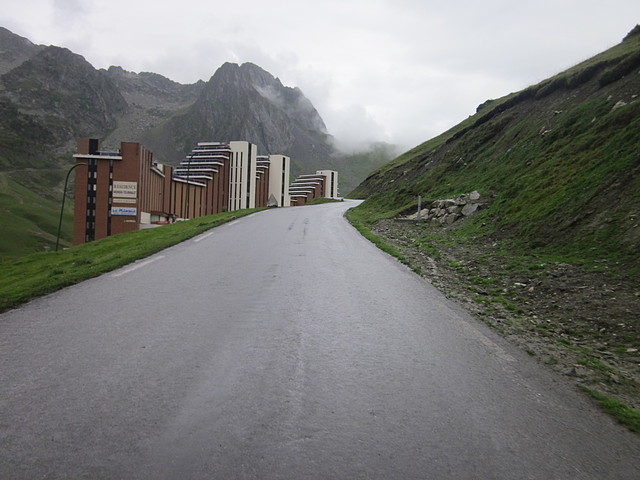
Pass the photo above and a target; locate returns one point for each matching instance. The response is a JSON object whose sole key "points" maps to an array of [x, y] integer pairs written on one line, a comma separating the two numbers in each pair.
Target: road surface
{"points": [[283, 346]]}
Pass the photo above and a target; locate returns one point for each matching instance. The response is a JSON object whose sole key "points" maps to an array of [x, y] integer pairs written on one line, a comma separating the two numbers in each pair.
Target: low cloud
{"points": [[400, 71]]}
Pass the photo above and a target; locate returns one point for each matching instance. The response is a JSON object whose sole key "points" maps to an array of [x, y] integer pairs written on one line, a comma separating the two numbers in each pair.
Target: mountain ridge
{"points": [[246, 102], [237, 102], [49, 96]]}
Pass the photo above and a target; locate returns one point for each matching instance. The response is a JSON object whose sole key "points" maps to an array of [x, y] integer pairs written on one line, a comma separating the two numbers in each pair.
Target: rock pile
{"points": [[449, 210]]}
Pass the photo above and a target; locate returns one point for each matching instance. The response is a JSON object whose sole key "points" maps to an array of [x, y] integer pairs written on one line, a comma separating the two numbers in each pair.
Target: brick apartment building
{"points": [[117, 191], [125, 190], [208, 165]]}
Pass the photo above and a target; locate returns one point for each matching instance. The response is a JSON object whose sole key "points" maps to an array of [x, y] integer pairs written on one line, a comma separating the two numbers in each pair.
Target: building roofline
{"points": [[104, 156]]}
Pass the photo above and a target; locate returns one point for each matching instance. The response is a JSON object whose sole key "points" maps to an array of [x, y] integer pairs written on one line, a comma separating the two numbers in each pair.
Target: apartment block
{"points": [[125, 190], [322, 184], [208, 165], [117, 191], [262, 180], [242, 185], [279, 172], [330, 184]]}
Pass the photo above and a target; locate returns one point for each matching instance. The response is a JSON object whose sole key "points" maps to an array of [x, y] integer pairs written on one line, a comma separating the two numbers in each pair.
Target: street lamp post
{"points": [[64, 196]]}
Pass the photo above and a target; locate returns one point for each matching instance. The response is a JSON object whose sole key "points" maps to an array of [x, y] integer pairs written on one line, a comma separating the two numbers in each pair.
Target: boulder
{"points": [[462, 200], [452, 217], [469, 209]]}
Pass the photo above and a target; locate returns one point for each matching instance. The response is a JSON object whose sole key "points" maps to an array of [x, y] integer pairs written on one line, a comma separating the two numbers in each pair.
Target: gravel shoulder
{"points": [[582, 324]]}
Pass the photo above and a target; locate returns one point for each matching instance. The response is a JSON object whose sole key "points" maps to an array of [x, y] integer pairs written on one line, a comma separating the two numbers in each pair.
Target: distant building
{"points": [[242, 185], [331, 183], [263, 172], [322, 184], [125, 190], [209, 165], [305, 188], [117, 191], [279, 171]]}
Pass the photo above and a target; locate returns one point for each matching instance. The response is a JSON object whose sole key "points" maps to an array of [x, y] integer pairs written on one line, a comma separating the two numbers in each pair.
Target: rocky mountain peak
{"points": [[57, 83], [14, 50], [245, 102]]}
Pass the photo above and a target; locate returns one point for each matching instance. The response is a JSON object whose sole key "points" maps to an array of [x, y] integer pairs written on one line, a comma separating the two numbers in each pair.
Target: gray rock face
{"points": [[50, 96], [63, 94], [244, 102], [15, 50]]}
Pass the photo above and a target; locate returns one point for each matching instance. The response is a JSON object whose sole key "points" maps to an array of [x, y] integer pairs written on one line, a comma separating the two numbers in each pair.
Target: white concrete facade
{"points": [[330, 184], [242, 177], [279, 172]]}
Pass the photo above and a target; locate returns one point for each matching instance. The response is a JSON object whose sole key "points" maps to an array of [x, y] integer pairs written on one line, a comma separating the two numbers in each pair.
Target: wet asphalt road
{"points": [[283, 346]]}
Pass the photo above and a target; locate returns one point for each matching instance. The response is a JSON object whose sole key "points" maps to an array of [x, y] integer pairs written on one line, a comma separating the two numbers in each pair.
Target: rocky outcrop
{"points": [[63, 91], [449, 210], [48, 100], [246, 102], [14, 50], [152, 99]]}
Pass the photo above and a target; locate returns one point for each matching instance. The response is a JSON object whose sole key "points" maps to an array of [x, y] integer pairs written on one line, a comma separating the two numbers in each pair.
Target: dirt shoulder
{"points": [[583, 324]]}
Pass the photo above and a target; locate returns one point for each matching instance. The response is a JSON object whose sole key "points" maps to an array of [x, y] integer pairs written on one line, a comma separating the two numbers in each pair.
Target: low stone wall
{"points": [[449, 210]]}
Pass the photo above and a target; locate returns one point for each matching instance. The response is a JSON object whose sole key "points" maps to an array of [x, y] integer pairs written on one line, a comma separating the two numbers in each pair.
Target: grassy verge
{"points": [[322, 200], [506, 304], [41, 273], [630, 417], [379, 241]]}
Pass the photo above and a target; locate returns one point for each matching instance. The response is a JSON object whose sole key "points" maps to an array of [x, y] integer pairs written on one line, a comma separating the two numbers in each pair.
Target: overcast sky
{"points": [[400, 71]]}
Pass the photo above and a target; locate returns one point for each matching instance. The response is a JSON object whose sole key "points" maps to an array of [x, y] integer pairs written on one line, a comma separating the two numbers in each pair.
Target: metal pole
{"points": [[419, 207], [64, 196]]}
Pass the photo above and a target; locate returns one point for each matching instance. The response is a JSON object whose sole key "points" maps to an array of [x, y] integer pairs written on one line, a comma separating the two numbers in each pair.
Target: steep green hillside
{"points": [[30, 205], [551, 260], [560, 160]]}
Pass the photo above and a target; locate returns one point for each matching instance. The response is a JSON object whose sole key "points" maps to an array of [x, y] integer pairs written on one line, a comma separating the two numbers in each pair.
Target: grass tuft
{"points": [[630, 417]]}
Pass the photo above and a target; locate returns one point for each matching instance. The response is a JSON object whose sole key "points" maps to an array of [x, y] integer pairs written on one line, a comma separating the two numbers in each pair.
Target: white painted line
{"points": [[232, 223], [202, 237], [137, 266]]}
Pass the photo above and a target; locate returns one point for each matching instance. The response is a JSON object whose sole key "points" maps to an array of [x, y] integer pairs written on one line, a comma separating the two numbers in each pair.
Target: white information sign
{"points": [[130, 211], [125, 189]]}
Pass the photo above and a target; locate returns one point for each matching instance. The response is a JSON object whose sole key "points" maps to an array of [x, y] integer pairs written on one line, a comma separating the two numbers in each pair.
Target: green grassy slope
{"points": [[29, 211], [560, 159], [37, 274]]}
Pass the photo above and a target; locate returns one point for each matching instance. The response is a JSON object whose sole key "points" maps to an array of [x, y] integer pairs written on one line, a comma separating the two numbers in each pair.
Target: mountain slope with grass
{"points": [[560, 160], [551, 259]]}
